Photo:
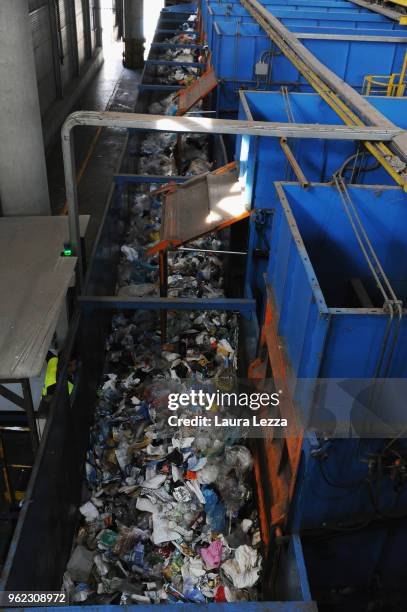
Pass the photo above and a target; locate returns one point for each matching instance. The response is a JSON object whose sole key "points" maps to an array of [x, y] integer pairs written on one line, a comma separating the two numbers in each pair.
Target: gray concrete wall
{"points": [[23, 177], [49, 51]]}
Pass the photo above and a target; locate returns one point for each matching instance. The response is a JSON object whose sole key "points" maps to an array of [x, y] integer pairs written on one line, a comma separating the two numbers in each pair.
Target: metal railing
{"points": [[390, 85]]}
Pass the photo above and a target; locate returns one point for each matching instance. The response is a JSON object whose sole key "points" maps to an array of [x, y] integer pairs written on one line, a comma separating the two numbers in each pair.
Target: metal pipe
{"points": [[107, 302], [205, 125], [212, 251], [201, 125], [304, 182], [163, 259], [350, 37]]}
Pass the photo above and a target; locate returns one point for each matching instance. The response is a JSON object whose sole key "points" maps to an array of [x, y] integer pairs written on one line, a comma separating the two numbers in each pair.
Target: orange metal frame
{"points": [[281, 456], [182, 94], [164, 245]]}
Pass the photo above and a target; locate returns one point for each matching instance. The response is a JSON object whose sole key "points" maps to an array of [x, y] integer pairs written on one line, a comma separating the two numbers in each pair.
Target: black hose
{"points": [[347, 161], [339, 485]]}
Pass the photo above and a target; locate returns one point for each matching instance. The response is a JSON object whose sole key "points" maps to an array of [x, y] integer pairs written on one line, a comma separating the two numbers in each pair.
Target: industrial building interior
{"points": [[203, 199]]}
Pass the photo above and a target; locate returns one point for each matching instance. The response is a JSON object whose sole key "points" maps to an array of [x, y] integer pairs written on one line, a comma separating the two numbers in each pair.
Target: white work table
{"points": [[34, 279]]}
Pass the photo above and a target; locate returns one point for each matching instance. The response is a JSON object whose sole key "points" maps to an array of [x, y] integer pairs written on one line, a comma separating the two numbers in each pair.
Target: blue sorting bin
{"points": [[314, 255], [263, 161], [329, 5], [329, 334], [299, 16], [351, 53], [318, 159]]}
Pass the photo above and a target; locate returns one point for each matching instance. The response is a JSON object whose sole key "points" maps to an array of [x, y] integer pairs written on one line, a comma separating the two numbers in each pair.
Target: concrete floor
{"points": [[97, 152]]}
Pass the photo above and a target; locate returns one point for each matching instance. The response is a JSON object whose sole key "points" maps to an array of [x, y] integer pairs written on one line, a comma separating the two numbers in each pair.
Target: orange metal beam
{"points": [[282, 455]]}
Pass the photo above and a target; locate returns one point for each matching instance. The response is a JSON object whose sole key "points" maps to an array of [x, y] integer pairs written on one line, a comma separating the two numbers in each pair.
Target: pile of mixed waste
{"points": [[168, 514], [180, 74]]}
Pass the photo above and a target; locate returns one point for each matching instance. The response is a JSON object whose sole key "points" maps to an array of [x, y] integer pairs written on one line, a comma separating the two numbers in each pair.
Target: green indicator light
{"points": [[67, 252]]}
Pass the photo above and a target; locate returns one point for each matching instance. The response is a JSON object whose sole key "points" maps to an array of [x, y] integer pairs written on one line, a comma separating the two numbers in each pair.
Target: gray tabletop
{"points": [[34, 279]]}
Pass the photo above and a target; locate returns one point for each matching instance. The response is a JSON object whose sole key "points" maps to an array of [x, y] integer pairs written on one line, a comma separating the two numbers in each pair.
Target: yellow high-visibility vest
{"points": [[51, 377]]}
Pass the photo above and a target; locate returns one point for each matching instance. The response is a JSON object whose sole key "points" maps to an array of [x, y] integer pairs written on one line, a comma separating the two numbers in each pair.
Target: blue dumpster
{"points": [[352, 53]]}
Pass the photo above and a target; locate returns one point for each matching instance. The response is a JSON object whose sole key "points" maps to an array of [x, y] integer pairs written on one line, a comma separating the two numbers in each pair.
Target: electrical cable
{"points": [[347, 161], [340, 485], [374, 496]]}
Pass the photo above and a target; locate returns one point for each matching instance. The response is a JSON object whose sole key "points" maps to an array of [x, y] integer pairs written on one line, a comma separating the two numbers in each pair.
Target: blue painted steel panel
{"points": [[299, 16], [346, 8], [313, 240], [352, 60], [333, 488], [237, 45], [263, 161]]}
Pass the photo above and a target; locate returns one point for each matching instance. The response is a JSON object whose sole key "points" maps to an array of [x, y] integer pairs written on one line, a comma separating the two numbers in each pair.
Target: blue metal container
{"points": [[329, 5], [303, 18], [314, 255], [298, 15], [326, 334], [238, 46], [262, 160], [348, 9], [318, 159]]}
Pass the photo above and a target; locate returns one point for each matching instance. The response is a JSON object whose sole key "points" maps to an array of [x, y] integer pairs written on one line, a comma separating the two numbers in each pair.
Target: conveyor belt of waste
{"points": [[168, 514]]}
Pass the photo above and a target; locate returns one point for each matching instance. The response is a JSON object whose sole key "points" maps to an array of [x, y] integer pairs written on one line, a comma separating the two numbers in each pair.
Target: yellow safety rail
{"points": [[391, 85]]}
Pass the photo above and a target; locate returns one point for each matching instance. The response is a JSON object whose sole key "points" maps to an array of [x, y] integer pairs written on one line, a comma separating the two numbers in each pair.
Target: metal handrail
{"points": [[201, 125]]}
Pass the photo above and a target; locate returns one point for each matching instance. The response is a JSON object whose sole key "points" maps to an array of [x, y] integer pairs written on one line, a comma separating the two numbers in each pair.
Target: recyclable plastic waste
{"points": [[169, 515]]}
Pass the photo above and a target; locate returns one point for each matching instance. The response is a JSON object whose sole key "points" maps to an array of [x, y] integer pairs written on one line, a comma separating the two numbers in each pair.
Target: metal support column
{"points": [[23, 175], [54, 19], [133, 37], [163, 259], [87, 28], [74, 34]]}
